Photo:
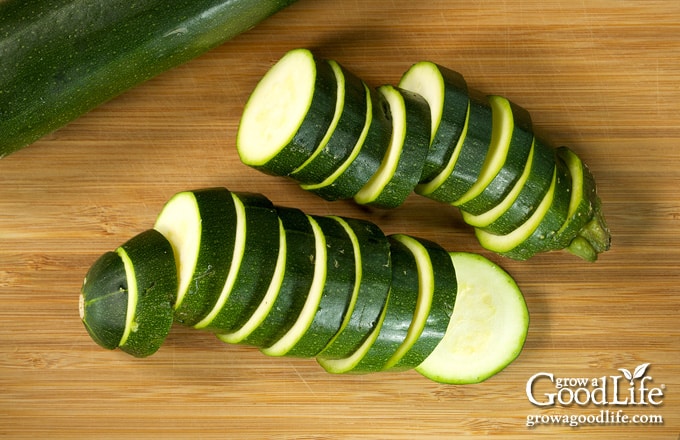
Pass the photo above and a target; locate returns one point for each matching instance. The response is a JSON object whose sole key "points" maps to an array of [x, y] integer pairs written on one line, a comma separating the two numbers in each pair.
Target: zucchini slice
{"points": [[265, 307], [288, 114], [127, 295], [437, 289], [466, 164], [295, 286], [343, 133], [366, 156], [337, 293], [253, 264], [511, 141], [402, 166], [487, 329], [524, 198], [201, 227], [304, 319], [446, 93], [583, 197], [400, 311], [373, 272]]}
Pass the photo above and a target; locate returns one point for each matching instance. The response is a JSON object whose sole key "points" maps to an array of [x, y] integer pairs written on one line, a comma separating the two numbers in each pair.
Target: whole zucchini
{"points": [[62, 58]]}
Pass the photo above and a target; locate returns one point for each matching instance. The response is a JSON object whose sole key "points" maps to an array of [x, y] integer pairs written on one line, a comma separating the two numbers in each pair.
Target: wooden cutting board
{"points": [[602, 77]]}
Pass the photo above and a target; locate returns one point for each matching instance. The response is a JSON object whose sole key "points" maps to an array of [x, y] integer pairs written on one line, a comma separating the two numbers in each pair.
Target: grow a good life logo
{"points": [[613, 395]]}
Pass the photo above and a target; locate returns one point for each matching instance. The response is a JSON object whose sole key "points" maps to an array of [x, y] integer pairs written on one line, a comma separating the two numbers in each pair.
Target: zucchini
{"points": [[329, 287], [447, 96], [437, 288], [488, 327], [373, 273], [468, 160], [344, 131], [201, 226], [61, 59], [510, 146], [366, 156], [295, 286], [252, 266], [288, 114], [127, 295], [402, 165], [456, 146]]}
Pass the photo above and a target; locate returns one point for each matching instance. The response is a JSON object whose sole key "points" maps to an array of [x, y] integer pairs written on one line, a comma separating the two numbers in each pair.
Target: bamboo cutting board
{"points": [[599, 76]]}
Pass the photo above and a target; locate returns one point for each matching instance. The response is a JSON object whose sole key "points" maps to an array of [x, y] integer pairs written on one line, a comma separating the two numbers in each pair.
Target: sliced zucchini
{"points": [[523, 200], [201, 227], [366, 156], [349, 363], [542, 238], [400, 311], [253, 264], [127, 295], [287, 114], [343, 133], [487, 329], [296, 283], [446, 93], [265, 307], [437, 289], [402, 165], [583, 198], [511, 142], [337, 291], [303, 320], [373, 272], [466, 164]]}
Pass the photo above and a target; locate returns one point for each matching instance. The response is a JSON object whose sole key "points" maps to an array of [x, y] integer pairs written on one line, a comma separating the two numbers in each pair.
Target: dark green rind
{"points": [[62, 59], [104, 299], [336, 294], [366, 163], [535, 188], [541, 239], [399, 311], [156, 275], [343, 138], [472, 154], [296, 282], [312, 129], [374, 286], [441, 309], [450, 127], [414, 150], [257, 266], [518, 152], [218, 232]]}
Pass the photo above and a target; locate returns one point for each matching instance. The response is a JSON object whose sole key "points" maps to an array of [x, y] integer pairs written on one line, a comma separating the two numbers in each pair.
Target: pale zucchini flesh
{"points": [[488, 327]]}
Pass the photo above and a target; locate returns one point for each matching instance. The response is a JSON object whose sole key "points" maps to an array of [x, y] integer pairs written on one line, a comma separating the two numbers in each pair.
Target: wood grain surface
{"points": [[601, 76]]}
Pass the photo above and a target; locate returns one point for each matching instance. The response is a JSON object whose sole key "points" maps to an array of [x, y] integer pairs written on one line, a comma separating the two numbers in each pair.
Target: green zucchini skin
{"points": [[453, 112], [255, 270], [149, 279], [371, 151], [518, 152], [60, 59], [445, 288], [297, 279], [542, 167], [342, 138], [473, 151], [400, 308], [337, 290], [373, 288]]}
